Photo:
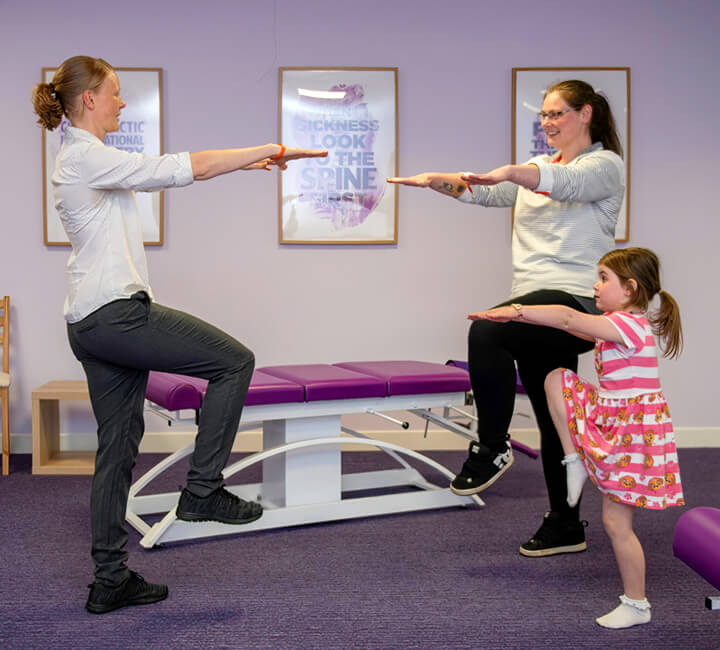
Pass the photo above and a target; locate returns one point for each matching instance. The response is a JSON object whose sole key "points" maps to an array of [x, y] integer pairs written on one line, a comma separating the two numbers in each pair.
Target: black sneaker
{"points": [[134, 591], [556, 536], [481, 469], [219, 505]]}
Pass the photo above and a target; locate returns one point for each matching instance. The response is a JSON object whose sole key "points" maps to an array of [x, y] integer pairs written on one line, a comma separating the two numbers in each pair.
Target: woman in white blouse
{"points": [[119, 333]]}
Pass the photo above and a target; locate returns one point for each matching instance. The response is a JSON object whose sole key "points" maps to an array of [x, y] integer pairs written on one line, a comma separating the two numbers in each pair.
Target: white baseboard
{"points": [[169, 441]]}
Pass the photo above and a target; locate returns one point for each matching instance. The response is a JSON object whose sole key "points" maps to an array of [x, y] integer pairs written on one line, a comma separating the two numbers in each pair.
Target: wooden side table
{"points": [[46, 455]]}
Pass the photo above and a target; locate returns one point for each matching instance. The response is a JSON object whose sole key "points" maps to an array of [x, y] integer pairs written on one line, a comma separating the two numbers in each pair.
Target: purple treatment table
{"points": [[299, 408], [696, 541]]}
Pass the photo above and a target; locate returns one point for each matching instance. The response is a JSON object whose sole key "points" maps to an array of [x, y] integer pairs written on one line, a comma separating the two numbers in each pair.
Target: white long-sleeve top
{"points": [[564, 226], [93, 186]]}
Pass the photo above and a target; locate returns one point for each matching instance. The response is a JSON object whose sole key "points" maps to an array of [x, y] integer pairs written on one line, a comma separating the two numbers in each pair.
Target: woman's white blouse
{"points": [[94, 195]]}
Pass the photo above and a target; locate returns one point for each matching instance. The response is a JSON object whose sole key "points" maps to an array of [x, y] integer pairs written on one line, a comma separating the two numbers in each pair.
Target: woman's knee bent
{"points": [[487, 334], [241, 359]]}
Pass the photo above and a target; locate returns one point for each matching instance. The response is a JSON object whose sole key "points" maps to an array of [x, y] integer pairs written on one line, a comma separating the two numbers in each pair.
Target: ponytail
{"points": [[602, 124], [667, 326], [48, 106], [61, 96]]}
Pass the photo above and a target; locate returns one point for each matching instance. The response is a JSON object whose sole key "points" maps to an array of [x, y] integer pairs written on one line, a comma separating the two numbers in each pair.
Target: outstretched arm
{"points": [[211, 163], [448, 184], [577, 323], [525, 175]]}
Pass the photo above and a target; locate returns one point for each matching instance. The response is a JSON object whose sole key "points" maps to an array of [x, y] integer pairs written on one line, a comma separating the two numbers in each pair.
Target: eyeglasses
{"points": [[553, 115]]}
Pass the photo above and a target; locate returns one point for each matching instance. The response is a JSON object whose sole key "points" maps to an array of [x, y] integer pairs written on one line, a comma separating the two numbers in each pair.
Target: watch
{"points": [[518, 308]]}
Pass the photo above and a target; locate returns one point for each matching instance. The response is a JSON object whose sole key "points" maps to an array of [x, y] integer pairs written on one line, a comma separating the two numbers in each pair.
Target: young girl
{"points": [[620, 434]]}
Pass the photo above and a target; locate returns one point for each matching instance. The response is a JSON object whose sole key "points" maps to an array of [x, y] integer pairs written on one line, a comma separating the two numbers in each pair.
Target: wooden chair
{"points": [[5, 382]]}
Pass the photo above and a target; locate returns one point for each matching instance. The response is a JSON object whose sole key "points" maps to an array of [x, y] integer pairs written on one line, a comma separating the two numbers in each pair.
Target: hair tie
{"points": [[52, 90]]}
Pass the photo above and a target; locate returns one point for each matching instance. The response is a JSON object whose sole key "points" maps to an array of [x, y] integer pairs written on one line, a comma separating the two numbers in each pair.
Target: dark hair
{"points": [[602, 125], [71, 79], [643, 266]]}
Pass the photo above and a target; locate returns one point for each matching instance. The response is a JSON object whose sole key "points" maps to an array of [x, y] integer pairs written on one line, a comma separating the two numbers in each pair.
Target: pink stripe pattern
{"points": [[627, 445], [630, 368]]}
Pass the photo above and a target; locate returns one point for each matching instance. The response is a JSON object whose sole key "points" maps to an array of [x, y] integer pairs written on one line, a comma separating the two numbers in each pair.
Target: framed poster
{"points": [[141, 130], [341, 199], [528, 139]]}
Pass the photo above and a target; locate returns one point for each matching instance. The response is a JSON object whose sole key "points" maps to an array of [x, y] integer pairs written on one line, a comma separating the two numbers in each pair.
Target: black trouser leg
{"points": [[117, 395], [117, 345], [493, 350]]}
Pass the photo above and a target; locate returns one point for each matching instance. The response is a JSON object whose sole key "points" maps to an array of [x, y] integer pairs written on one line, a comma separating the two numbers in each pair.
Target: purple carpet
{"points": [[450, 578]]}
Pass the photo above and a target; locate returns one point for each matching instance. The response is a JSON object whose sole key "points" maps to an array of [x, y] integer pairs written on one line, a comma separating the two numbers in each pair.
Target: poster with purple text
{"points": [[341, 199], [528, 138], [140, 132]]}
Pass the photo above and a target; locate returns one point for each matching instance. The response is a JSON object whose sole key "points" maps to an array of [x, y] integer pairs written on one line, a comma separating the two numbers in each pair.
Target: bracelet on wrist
{"points": [[280, 155], [518, 308]]}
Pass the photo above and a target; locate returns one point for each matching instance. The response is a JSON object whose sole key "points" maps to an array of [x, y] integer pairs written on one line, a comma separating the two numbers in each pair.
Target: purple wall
{"points": [[221, 259]]}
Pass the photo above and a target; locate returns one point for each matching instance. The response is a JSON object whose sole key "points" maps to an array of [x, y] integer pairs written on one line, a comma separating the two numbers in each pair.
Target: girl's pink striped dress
{"points": [[622, 430]]}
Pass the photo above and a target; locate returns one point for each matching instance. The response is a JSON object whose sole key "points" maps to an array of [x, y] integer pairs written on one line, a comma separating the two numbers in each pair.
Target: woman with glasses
{"points": [[566, 208]]}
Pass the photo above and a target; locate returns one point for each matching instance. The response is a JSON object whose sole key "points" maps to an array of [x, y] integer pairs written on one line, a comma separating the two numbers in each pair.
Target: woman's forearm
{"points": [[449, 184], [526, 175], [211, 163]]}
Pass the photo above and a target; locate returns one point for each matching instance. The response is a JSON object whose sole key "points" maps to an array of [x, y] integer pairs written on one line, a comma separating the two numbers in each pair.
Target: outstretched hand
{"points": [[419, 180], [490, 178], [499, 314], [296, 153]]}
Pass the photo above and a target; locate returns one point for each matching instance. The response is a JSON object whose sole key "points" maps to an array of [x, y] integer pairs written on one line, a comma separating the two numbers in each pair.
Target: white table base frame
{"points": [[302, 476]]}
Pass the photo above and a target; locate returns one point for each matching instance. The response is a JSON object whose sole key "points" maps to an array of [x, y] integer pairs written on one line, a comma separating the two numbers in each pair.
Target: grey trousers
{"points": [[118, 345]]}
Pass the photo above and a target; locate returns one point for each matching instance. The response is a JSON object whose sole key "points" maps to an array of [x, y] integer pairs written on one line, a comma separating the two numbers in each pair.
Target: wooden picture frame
{"points": [[141, 130], [528, 139], [341, 199]]}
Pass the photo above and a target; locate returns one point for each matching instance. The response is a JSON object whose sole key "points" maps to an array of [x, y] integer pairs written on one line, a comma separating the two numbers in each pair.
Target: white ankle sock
{"points": [[628, 613], [576, 477]]}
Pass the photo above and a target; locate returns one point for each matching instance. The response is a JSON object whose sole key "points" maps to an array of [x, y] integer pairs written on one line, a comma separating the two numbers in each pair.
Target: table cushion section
{"points": [[177, 392], [268, 389], [328, 382], [174, 392], [413, 377]]}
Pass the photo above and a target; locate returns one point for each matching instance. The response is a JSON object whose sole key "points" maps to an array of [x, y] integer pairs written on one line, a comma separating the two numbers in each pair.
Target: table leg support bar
{"points": [[429, 496], [465, 432]]}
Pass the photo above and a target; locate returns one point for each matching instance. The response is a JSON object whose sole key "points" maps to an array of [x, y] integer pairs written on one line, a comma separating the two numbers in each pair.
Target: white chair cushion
{"points": [[4, 379]]}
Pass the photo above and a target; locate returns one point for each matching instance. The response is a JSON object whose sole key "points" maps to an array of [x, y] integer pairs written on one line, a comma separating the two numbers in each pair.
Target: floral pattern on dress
{"points": [[627, 444]]}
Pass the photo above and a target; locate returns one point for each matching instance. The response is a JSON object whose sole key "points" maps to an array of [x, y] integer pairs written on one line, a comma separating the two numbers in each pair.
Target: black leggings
{"points": [[493, 349]]}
